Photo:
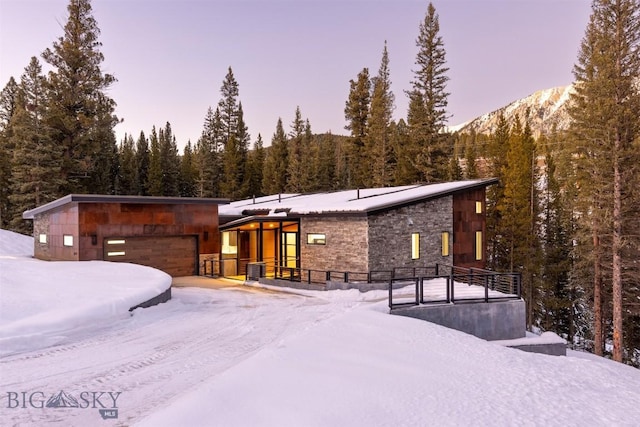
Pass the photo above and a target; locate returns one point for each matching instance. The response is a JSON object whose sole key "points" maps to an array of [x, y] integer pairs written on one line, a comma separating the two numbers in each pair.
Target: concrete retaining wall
{"points": [[158, 299], [499, 320]]}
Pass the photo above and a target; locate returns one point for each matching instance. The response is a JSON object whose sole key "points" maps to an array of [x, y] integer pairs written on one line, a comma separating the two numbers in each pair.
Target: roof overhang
{"points": [[407, 202], [103, 198], [256, 219]]}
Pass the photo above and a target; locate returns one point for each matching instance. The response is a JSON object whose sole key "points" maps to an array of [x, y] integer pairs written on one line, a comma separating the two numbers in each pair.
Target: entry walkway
{"points": [[219, 283], [205, 282]]}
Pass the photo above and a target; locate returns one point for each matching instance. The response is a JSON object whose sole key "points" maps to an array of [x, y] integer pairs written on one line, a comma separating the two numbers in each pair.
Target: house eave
{"points": [[103, 198]]}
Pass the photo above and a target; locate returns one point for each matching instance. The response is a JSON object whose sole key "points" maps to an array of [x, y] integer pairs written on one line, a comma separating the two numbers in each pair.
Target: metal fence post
{"points": [[390, 293], [486, 288], [452, 285]]}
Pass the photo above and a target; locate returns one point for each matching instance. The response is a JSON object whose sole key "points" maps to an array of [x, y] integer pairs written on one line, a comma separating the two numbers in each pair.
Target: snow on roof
{"points": [[347, 201]]}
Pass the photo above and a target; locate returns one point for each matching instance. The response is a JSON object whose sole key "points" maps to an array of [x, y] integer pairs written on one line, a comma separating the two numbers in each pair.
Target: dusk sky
{"points": [[170, 57]]}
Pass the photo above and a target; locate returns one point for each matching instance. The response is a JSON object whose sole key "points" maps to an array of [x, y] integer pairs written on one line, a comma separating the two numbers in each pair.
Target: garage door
{"points": [[175, 255]]}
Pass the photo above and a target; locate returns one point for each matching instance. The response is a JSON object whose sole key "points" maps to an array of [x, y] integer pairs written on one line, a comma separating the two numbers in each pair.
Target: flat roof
{"points": [[362, 201], [105, 198]]}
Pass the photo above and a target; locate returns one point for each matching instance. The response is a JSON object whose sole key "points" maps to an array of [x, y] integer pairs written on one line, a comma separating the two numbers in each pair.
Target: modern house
{"points": [[169, 233], [358, 231]]}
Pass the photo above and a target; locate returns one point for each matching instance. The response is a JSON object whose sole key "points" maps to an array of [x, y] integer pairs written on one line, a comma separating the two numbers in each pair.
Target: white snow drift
{"points": [[243, 356]]}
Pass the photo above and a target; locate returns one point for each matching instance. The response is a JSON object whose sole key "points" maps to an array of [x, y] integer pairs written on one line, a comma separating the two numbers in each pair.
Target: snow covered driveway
{"points": [[155, 355]]}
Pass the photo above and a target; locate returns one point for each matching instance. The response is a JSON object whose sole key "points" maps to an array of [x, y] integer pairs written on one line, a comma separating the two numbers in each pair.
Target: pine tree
{"points": [[496, 155], [379, 134], [128, 173], [356, 113], [228, 105], [209, 155], [470, 156], [230, 186], [428, 102], [234, 138], [80, 113], [169, 161], [8, 99], [325, 164], [308, 171], [404, 172], [243, 142], [275, 177], [36, 158], [142, 165], [295, 164], [518, 209], [605, 124], [187, 181], [155, 165], [558, 299], [255, 166]]}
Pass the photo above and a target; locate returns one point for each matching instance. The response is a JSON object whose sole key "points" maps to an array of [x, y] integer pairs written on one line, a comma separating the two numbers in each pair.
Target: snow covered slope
{"points": [[251, 357], [14, 244], [42, 303]]}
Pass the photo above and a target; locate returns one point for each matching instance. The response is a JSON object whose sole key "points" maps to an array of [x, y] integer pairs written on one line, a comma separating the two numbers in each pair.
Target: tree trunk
{"points": [[597, 296], [617, 262]]}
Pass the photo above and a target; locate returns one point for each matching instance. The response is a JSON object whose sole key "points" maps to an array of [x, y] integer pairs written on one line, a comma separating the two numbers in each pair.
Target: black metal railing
{"points": [[481, 286], [440, 283]]}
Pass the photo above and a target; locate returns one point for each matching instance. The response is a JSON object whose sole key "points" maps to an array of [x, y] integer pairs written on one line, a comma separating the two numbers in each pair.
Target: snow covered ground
{"points": [[247, 356]]}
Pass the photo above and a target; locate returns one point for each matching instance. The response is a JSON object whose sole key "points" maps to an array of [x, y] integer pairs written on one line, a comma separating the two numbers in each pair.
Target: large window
{"points": [[415, 245], [478, 248], [445, 243]]}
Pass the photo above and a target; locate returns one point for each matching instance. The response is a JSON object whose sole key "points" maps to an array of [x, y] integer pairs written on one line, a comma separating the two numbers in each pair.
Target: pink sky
{"points": [[170, 56]]}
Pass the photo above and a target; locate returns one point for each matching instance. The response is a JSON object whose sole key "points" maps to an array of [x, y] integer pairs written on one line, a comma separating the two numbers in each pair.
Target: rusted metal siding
{"points": [[466, 222]]}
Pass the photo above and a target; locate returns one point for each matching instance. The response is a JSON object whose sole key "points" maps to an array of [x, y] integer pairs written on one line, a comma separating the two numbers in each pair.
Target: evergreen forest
{"points": [[565, 214]]}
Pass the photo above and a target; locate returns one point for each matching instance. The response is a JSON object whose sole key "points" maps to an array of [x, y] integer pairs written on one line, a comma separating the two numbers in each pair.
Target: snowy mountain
{"points": [[546, 109]]}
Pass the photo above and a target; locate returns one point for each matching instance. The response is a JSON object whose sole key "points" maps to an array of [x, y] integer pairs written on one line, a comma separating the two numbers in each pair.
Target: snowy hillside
{"points": [[235, 355], [546, 108], [42, 303], [15, 244]]}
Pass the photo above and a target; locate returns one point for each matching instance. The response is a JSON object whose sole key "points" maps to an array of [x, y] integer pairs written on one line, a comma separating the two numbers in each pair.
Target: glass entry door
{"points": [[289, 250]]}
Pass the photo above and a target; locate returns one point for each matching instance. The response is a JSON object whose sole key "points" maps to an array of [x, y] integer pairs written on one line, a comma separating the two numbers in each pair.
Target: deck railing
{"points": [[454, 285], [440, 283]]}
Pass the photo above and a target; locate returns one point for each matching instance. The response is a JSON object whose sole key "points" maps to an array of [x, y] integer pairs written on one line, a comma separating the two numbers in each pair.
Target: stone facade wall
{"points": [[390, 235], [346, 247]]}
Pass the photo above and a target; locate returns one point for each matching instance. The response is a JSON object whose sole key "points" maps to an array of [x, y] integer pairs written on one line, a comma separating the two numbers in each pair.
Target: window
{"points": [[67, 240], [445, 243], [43, 238], [415, 245], [478, 207], [316, 239], [229, 242], [478, 249], [115, 242], [116, 253]]}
